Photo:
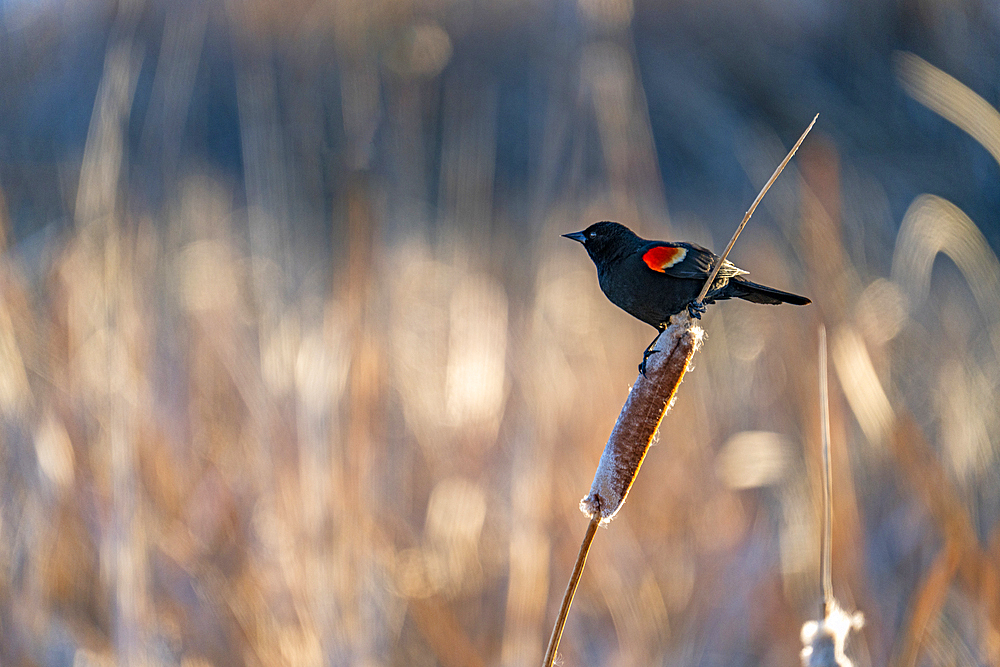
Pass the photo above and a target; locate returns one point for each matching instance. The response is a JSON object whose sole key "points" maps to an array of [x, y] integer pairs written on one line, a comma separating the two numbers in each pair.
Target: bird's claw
{"points": [[695, 309], [645, 356]]}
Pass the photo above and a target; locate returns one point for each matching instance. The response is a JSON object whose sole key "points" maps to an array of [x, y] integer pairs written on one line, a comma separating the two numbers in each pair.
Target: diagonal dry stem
{"points": [[753, 207], [574, 582]]}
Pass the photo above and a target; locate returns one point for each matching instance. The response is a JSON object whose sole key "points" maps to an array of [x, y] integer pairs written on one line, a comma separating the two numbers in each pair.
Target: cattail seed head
{"points": [[823, 641], [647, 403]]}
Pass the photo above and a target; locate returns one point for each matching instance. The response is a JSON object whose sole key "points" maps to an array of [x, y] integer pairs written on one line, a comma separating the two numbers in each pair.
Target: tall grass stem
{"points": [[826, 544]]}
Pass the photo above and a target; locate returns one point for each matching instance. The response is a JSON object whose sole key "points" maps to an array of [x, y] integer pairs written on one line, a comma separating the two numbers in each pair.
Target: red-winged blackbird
{"points": [[652, 280]]}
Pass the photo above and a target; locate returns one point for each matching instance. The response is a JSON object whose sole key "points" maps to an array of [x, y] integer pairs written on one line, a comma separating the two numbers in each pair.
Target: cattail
{"points": [[647, 403], [823, 640]]}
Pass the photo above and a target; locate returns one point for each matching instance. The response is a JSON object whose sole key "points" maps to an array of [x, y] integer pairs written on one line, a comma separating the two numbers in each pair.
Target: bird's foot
{"points": [[649, 348], [695, 309], [646, 355]]}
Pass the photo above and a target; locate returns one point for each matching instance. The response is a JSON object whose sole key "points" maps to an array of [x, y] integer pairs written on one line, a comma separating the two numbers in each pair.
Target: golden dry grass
{"points": [[225, 442]]}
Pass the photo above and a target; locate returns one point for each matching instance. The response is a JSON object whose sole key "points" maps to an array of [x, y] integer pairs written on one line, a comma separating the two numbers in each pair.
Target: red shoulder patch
{"points": [[662, 257]]}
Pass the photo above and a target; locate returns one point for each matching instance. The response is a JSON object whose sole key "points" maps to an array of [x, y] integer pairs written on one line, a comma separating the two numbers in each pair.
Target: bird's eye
{"points": [[591, 235]]}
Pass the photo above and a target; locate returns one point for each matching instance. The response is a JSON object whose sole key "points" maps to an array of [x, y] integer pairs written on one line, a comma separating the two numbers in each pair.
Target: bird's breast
{"points": [[646, 295]]}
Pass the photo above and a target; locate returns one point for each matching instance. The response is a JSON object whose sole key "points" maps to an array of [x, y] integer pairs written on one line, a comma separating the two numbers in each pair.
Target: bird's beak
{"points": [[577, 236]]}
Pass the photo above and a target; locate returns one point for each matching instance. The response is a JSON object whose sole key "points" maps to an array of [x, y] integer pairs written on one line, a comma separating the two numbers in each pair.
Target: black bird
{"points": [[652, 280]]}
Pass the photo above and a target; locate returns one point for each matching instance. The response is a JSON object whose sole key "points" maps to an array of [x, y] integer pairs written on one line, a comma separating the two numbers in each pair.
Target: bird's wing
{"points": [[683, 260]]}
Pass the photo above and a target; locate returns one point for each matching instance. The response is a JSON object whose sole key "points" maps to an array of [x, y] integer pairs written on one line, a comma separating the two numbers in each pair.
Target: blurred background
{"points": [[295, 368]]}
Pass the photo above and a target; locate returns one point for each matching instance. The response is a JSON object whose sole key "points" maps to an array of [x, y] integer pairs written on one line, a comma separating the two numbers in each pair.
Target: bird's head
{"points": [[606, 240]]}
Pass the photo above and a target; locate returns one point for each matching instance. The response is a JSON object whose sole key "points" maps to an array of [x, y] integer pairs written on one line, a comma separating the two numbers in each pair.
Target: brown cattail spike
{"points": [[647, 403]]}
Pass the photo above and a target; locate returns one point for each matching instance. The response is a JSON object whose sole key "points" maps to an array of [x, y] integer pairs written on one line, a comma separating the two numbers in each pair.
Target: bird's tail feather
{"points": [[741, 288]]}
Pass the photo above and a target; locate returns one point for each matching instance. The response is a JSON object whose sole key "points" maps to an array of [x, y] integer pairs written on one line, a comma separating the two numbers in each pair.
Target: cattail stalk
{"points": [[574, 582]]}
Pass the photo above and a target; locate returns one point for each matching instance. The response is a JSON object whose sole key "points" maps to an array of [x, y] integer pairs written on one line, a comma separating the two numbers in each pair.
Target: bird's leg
{"points": [[649, 349], [695, 309]]}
